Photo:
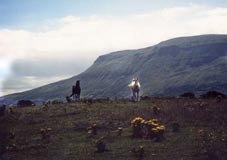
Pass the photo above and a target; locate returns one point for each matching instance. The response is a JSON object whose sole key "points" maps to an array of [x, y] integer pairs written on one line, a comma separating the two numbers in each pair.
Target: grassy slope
{"points": [[70, 140]]}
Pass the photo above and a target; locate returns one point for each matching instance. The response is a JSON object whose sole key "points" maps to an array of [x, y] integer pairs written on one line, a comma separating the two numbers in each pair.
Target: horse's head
{"points": [[134, 84]]}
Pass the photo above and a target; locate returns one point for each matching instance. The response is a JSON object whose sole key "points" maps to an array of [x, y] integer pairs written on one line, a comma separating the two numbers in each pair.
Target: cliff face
{"points": [[195, 64]]}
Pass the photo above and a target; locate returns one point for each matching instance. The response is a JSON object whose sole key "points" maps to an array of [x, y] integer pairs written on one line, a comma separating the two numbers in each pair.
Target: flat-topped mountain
{"points": [[186, 64]]}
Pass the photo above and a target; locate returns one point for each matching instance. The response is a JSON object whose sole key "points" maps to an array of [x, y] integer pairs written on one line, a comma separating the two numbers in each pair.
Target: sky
{"points": [[43, 41]]}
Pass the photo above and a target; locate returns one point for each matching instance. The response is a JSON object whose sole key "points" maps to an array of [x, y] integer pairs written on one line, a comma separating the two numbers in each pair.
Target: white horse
{"points": [[135, 86]]}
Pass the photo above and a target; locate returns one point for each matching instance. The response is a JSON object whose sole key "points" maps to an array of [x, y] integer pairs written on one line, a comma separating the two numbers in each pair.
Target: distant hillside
{"points": [[178, 65]]}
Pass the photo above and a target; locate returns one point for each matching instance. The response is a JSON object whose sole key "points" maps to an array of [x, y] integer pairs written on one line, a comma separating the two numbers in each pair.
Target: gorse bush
{"points": [[11, 109], [100, 145], [2, 110], [11, 135], [137, 125], [138, 152], [175, 127], [92, 130], [45, 133], [12, 147], [119, 131], [147, 129], [156, 110]]}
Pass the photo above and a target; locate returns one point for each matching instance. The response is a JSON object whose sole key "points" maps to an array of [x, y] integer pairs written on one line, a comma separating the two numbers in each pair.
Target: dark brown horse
{"points": [[76, 91]]}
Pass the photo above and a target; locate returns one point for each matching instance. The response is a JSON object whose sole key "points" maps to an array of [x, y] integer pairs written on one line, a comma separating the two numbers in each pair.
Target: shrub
{"points": [[25, 103], [138, 152], [175, 127], [156, 110], [119, 131], [188, 95], [213, 94], [148, 129], [92, 130], [137, 124], [100, 145], [12, 147], [2, 110], [45, 133], [158, 132], [149, 125], [11, 109], [219, 98], [11, 135]]}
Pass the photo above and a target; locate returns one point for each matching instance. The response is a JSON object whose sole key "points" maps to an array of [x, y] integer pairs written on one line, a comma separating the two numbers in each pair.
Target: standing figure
{"points": [[76, 91], [135, 86]]}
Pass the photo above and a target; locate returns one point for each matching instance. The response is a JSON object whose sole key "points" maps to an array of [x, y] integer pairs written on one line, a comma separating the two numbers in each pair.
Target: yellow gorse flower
{"points": [[49, 129], [152, 123], [137, 120], [148, 129], [45, 129], [161, 128], [154, 129]]}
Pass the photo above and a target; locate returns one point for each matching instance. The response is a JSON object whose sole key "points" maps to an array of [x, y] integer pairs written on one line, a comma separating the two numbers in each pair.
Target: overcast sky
{"points": [[43, 41]]}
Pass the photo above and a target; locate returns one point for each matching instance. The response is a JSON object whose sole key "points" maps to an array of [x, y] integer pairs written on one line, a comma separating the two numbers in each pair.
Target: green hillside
{"points": [[187, 64]]}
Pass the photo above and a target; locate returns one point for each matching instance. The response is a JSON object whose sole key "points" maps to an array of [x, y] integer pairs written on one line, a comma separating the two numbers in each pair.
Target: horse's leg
{"points": [[77, 97], [138, 95], [134, 95], [74, 97]]}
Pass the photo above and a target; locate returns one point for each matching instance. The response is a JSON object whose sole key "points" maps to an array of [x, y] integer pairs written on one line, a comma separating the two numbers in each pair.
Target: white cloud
{"points": [[94, 35], [87, 37], [14, 43]]}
